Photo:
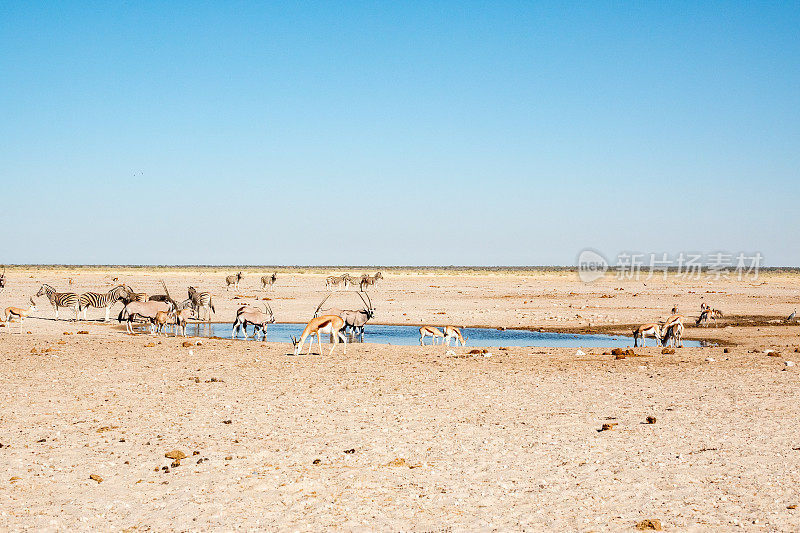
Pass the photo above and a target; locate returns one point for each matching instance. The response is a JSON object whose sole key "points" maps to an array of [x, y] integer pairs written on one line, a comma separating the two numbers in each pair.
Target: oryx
{"points": [[354, 321], [252, 315]]}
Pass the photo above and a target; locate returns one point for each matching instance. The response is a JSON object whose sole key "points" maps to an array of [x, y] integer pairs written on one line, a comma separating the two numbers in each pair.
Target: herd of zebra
{"points": [[345, 280], [197, 300]]}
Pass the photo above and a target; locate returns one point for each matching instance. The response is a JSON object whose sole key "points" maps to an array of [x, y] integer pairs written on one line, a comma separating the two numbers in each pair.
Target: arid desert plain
{"points": [[404, 438]]}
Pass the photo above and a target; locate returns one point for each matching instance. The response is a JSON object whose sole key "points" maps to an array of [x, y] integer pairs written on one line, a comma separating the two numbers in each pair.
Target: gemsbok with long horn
{"points": [[70, 300], [328, 325], [354, 321], [252, 315]]}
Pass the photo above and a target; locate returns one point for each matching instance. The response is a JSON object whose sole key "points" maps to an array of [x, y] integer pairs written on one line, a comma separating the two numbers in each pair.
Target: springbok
{"points": [[3, 278], [672, 331], [708, 313], [233, 280], [430, 331], [645, 330], [252, 315], [327, 324], [453, 333], [17, 312]]}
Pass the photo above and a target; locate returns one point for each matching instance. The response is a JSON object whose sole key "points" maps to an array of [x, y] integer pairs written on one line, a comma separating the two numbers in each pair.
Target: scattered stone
{"points": [[788, 363], [607, 427], [95, 477], [187, 344], [450, 353], [106, 428], [229, 458], [176, 463], [710, 360], [42, 440], [150, 345], [227, 421], [773, 353], [316, 461], [175, 454], [668, 351], [397, 462], [201, 460], [792, 506], [351, 450], [651, 420], [195, 452], [61, 341], [580, 353], [15, 478], [34, 351], [649, 525], [83, 332], [67, 333], [726, 350]]}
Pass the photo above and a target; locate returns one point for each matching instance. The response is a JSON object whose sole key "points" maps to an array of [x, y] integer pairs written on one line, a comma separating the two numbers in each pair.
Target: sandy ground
{"points": [[438, 442]]}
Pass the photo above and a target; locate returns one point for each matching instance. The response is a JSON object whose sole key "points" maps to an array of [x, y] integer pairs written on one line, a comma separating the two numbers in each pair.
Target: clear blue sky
{"points": [[397, 133]]}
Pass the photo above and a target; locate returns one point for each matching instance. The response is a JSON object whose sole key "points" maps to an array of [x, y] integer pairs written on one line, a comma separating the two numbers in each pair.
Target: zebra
{"points": [[268, 280], [367, 280], [334, 281], [202, 300], [60, 299], [233, 280], [107, 300]]}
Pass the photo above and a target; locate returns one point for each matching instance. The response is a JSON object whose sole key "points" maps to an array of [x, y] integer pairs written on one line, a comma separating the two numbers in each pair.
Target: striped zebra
{"points": [[100, 300], [367, 280], [331, 282], [201, 300], [233, 280], [268, 281], [60, 299]]}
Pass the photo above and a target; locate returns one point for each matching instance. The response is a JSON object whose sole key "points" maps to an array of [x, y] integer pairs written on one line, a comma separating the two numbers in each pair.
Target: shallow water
{"points": [[409, 336]]}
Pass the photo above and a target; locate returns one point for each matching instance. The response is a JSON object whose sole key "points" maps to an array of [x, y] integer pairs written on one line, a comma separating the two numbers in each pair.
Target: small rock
{"points": [[176, 463], [649, 525], [792, 506], [195, 452], [651, 420], [187, 344], [726, 350], [150, 345], [175, 454], [227, 421], [15, 478], [450, 353], [788, 363], [316, 461], [83, 332], [710, 360], [351, 450], [229, 458], [668, 351], [580, 353], [95, 477], [397, 462]]}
